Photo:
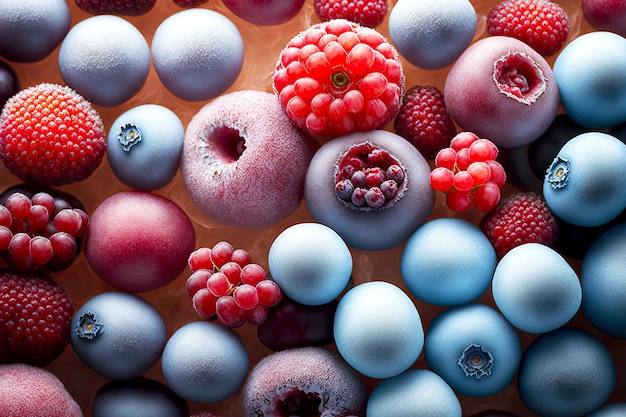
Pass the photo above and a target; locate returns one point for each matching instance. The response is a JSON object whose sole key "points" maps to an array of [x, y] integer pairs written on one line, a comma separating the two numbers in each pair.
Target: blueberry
{"points": [[311, 263], [197, 53], [590, 76], [137, 397], [610, 410], [378, 330], [9, 82], [105, 58], [536, 289], [566, 373], [474, 349], [447, 261], [205, 362], [414, 392], [118, 335], [144, 145], [603, 284], [584, 183]]}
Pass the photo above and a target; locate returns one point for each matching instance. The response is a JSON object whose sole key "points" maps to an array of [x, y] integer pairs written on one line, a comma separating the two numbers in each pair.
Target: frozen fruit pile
{"points": [[215, 208]]}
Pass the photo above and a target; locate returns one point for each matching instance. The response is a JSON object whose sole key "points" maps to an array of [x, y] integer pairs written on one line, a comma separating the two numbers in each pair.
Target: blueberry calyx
{"points": [[88, 326], [558, 172], [129, 136], [476, 361]]}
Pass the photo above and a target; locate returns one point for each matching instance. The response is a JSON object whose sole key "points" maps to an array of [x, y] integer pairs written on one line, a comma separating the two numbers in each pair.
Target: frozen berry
{"points": [[35, 319], [369, 13], [50, 135], [518, 219], [9, 82], [541, 24], [265, 12], [608, 15], [338, 77], [121, 7], [424, 121]]}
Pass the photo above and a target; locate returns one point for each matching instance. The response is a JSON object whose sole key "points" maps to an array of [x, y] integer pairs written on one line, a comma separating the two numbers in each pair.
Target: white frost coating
{"points": [[197, 54]]}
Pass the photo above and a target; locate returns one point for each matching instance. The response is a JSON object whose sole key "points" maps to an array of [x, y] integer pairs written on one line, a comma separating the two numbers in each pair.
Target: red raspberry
{"points": [[369, 13], [339, 77], [35, 317], [122, 7], [424, 121], [541, 24], [51, 135], [518, 219]]}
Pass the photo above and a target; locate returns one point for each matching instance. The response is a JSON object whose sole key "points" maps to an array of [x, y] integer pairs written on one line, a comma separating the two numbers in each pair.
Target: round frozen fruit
{"points": [[474, 349], [137, 397], [305, 381], [497, 87], [414, 392], [264, 12], [372, 188], [205, 362], [378, 330], [448, 261], [583, 184], [197, 53], [144, 145], [31, 29], [243, 161], [610, 410], [118, 335], [603, 284], [592, 83], [536, 289], [105, 58], [311, 263], [609, 15], [139, 241], [554, 381], [432, 34]]}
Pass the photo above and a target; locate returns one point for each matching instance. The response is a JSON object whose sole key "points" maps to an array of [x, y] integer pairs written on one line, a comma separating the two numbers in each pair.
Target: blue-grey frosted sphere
{"points": [[448, 261], [311, 263], [197, 53], [590, 75], [431, 34], [603, 283], [118, 335], [474, 349], [566, 373], [205, 362], [137, 397], [378, 330], [584, 183], [536, 289], [106, 59], [144, 145], [610, 410], [416, 392], [31, 29]]}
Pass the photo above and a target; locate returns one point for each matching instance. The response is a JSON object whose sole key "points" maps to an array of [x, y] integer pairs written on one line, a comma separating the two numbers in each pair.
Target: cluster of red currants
{"points": [[224, 283], [468, 173]]}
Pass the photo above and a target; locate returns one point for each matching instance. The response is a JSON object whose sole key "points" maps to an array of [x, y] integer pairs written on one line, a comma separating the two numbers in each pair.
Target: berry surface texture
{"points": [[349, 214]]}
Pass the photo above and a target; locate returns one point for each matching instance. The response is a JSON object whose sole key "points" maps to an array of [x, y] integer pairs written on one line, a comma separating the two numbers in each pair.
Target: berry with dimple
{"points": [[51, 135], [518, 219], [424, 121], [35, 317], [121, 7], [339, 77], [39, 232], [370, 13], [226, 285], [468, 174], [541, 24]]}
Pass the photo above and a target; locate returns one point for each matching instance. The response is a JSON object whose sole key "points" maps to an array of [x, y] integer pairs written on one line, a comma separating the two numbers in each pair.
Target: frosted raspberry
{"points": [[541, 24], [424, 121], [370, 13], [518, 219], [339, 77], [51, 135]]}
